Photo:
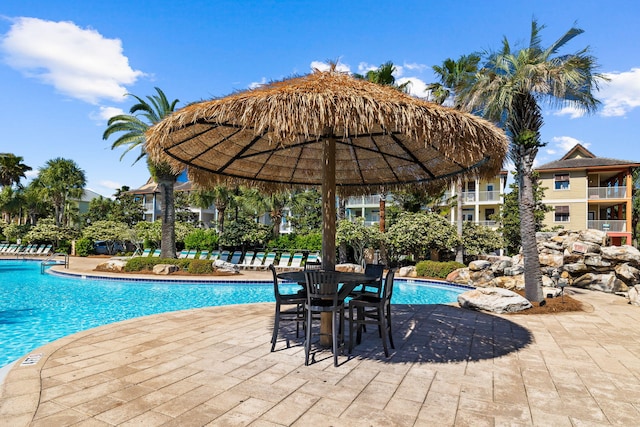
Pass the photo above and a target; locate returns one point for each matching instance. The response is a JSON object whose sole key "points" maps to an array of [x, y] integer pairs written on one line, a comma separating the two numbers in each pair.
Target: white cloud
{"points": [[416, 86], [77, 62], [111, 185], [323, 66], [566, 143], [621, 94], [416, 67], [104, 114], [255, 85], [572, 112]]}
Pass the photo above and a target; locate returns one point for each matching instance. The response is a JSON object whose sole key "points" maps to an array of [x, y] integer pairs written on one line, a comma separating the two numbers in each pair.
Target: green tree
{"points": [[510, 216], [244, 233], [59, 180], [306, 211], [111, 231], [509, 89], [455, 77], [12, 169], [358, 236], [126, 208], [479, 239], [132, 128], [47, 231], [272, 204], [417, 234]]}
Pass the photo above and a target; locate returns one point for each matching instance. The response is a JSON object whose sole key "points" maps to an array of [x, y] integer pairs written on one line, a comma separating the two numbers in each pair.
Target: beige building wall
{"points": [[575, 197]]}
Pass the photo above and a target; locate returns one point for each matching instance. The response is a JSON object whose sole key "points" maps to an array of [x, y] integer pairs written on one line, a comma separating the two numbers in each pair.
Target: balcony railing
{"points": [[483, 196], [363, 200], [607, 192], [608, 225]]}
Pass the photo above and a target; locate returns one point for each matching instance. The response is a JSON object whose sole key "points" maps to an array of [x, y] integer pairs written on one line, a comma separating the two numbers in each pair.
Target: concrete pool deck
{"points": [[451, 366]]}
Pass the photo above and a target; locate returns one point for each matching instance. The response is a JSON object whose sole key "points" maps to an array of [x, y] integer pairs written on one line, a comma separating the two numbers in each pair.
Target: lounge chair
{"points": [[296, 262], [46, 251], [192, 254], [235, 257], [183, 254], [269, 259], [3, 246], [283, 263], [247, 260], [224, 256], [214, 255], [146, 252], [204, 254], [156, 253], [35, 248], [257, 261]]}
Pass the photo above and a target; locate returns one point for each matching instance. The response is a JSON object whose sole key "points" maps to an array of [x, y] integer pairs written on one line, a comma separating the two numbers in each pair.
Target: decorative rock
{"points": [[496, 300], [550, 291], [596, 261], [461, 276], [634, 295], [600, 282], [165, 269], [224, 267], [584, 247], [514, 271], [627, 273], [409, 271], [481, 278], [115, 265], [556, 247], [548, 282], [552, 260], [479, 265], [350, 268], [508, 282], [594, 236], [499, 266], [623, 253]]}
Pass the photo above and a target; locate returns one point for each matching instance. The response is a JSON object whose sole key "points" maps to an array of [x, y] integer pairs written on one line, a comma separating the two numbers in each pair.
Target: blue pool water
{"points": [[39, 308]]}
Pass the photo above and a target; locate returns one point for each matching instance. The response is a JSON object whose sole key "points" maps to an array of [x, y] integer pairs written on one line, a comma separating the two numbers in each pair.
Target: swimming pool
{"points": [[39, 308]]}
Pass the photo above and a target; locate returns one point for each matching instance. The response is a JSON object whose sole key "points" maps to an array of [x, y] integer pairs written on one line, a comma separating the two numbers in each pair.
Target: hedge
{"points": [[437, 269]]}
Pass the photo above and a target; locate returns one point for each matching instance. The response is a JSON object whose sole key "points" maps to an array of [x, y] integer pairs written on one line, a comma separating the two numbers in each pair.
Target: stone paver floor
{"points": [[450, 367]]}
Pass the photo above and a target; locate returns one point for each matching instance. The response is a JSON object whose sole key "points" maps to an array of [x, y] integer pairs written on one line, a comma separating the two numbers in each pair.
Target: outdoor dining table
{"points": [[348, 280]]}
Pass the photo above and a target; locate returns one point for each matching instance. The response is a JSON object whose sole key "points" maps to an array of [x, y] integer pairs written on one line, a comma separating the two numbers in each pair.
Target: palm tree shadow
{"points": [[442, 333]]}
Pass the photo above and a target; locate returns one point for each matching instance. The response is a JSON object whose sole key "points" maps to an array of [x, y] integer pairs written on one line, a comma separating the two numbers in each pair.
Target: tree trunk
{"points": [[168, 242], [383, 211], [342, 214], [460, 247], [532, 274]]}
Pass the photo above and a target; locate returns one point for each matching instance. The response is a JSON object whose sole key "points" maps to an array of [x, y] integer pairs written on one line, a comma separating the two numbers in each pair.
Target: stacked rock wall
{"points": [[582, 259]]}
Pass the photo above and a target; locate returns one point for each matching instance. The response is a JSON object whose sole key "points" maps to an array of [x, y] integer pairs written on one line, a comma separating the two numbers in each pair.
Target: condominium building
{"points": [[586, 191]]}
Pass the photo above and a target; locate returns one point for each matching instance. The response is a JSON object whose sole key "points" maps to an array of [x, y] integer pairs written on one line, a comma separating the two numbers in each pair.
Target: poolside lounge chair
{"points": [[283, 263], [247, 260], [214, 255], [35, 248], [235, 257], [46, 251], [3, 246], [146, 252], [156, 253], [183, 254], [224, 256], [192, 254], [204, 254], [296, 262], [256, 263]]}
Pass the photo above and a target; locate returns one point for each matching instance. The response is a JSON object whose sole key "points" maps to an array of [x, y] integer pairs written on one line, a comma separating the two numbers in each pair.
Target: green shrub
{"points": [[147, 263], [84, 247], [200, 266], [437, 269], [201, 239], [64, 246]]}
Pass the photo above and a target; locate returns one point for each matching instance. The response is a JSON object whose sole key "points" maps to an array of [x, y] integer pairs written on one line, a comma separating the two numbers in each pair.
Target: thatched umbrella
{"points": [[331, 130]]}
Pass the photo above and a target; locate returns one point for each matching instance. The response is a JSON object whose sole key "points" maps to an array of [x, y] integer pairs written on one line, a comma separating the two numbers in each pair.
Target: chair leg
{"points": [[351, 322], [382, 324], [389, 326], [276, 325], [307, 341], [335, 331]]}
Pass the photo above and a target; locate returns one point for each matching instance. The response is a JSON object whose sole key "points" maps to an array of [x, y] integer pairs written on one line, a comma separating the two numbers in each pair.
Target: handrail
{"points": [[51, 260]]}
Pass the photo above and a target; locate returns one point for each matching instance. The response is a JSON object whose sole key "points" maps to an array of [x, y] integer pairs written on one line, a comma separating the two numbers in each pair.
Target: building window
{"points": [[561, 181], [562, 214]]}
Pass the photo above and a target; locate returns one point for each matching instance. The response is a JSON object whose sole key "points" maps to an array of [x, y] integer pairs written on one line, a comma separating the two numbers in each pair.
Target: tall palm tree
{"points": [[273, 204], [12, 169], [383, 75], [133, 126], [510, 89], [59, 180], [455, 76]]}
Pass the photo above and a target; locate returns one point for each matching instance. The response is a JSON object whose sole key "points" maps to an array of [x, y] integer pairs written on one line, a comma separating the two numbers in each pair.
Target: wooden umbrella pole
{"points": [[328, 223]]}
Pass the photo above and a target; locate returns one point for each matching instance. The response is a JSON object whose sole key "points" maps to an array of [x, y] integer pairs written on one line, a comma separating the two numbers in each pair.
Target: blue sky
{"points": [[65, 65]]}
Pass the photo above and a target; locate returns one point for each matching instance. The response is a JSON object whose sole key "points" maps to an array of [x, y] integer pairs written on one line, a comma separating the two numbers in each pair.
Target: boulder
{"points": [[623, 253], [499, 266], [408, 271], [594, 236], [165, 269], [114, 265], [482, 278], [516, 270], [552, 260], [628, 273], [224, 267], [576, 268], [553, 246], [479, 265], [495, 300], [582, 247], [548, 282], [551, 291], [508, 282], [600, 282], [352, 268], [596, 261], [634, 295], [461, 276]]}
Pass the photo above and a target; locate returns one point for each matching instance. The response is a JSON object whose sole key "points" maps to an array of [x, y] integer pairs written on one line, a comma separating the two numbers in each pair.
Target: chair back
{"points": [[388, 285], [276, 284], [375, 270], [322, 287], [313, 265]]}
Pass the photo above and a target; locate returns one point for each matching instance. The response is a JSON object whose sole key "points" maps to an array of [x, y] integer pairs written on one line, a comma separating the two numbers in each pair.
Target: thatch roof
{"points": [[273, 136]]}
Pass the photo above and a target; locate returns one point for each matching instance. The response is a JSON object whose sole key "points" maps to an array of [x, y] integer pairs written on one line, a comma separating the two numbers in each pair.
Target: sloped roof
{"points": [[581, 158]]}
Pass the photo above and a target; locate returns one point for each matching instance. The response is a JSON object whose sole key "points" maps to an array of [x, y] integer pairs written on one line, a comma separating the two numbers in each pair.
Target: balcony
{"points": [[483, 196], [608, 225], [607, 192], [363, 201]]}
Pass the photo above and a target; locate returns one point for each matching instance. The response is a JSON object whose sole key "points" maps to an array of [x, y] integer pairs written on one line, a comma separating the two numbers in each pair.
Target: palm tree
{"points": [[133, 128], [455, 77], [273, 204], [59, 180], [383, 75], [12, 169], [509, 89]]}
